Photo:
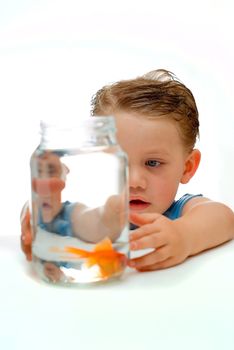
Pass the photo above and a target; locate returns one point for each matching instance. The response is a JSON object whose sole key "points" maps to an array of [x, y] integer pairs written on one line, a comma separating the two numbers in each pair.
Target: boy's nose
{"points": [[136, 179]]}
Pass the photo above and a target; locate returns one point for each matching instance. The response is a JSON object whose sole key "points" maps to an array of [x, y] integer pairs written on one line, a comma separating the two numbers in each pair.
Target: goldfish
{"points": [[109, 261]]}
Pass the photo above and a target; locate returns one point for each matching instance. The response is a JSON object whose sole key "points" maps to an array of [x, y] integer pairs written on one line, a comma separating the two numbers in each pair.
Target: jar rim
{"points": [[92, 123]]}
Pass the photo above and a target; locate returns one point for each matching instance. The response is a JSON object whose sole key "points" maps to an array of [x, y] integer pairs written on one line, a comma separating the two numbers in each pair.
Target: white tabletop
{"points": [[190, 306]]}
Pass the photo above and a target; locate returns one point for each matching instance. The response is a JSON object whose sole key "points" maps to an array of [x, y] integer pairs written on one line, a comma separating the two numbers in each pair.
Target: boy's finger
{"points": [[142, 219], [144, 230], [148, 225], [158, 266], [154, 240], [24, 212], [155, 257], [26, 236]]}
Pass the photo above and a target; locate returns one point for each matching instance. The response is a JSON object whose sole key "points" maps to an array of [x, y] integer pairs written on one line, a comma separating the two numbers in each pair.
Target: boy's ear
{"points": [[191, 165]]}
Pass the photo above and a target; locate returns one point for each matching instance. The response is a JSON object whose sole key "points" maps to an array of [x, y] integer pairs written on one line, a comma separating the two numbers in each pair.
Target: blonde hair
{"points": [[158, 93]]}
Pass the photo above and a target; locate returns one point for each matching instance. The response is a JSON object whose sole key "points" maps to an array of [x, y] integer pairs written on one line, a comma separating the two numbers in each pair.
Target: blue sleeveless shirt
{"points": [[175, 210], [61, 224]]}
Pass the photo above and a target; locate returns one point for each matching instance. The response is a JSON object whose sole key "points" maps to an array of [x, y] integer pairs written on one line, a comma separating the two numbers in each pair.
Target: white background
{"points": [[55, 54]]}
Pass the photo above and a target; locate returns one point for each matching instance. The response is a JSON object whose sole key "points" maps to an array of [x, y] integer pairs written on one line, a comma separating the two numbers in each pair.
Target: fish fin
{"points": [[105, 244], [69, 257], [56, 250], [76, 251]]}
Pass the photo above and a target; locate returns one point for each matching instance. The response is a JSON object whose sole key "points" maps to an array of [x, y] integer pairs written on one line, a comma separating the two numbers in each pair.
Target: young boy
{"points": [[157, 124]]}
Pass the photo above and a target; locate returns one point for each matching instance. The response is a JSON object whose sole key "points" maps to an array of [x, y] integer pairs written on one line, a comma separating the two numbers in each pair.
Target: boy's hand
{"points": [[156, 231], [26, 234], [52, 272]]}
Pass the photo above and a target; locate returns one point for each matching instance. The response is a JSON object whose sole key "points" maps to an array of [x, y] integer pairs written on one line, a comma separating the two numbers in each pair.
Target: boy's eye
{"points": [[53, 170], [152, 163]]}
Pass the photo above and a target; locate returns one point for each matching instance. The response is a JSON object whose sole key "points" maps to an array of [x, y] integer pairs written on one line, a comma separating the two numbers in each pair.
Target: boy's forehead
{"points": [[159, 133], [141, 122]]}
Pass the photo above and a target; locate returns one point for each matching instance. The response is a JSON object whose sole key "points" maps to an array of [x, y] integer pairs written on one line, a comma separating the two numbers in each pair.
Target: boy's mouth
{"points": [[46, 205], [138, 204]]}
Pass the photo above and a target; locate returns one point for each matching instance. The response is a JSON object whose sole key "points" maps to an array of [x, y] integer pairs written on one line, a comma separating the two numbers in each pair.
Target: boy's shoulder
{"points": [[175, 210]]}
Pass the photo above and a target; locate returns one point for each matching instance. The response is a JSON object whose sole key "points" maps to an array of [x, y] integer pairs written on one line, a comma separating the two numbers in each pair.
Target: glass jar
{"points": [[79, 203]]}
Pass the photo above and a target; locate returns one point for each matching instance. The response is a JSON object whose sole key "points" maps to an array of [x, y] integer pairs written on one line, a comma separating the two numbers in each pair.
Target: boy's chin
{"points": [[47, 218], [150, 209], [139, 209]]}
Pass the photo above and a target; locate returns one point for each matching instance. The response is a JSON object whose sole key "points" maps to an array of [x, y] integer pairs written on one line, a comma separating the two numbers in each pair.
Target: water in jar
{"points": [[79, 204]]}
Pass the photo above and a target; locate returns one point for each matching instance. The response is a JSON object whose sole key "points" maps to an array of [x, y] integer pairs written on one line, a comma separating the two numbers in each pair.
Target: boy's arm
{"points": [[203, 225], [206, 223], [92, 225]]}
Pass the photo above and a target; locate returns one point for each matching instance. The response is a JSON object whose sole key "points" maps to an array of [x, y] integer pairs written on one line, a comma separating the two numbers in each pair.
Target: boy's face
{"points": [[49, 167], [156, 160]]}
